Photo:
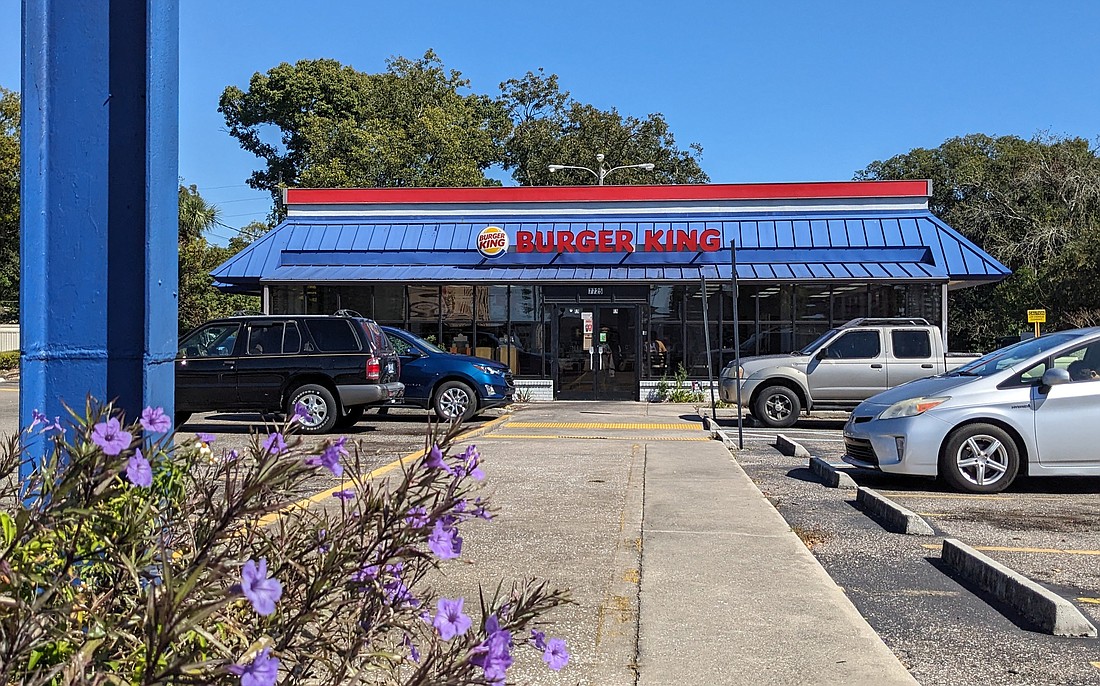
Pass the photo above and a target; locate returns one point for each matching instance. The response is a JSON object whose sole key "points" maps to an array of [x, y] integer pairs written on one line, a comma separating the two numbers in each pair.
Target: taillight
{"points": [[374, 369]]}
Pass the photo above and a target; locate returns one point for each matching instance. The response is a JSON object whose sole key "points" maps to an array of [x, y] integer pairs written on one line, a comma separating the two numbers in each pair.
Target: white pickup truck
{"points": [[843, 367]]}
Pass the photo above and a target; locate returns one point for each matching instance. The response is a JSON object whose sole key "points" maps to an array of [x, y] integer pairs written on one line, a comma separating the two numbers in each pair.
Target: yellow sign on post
{"points": [[1036, 317]]}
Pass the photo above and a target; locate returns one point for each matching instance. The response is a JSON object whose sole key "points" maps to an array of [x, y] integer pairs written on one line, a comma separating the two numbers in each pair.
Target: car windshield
{"points": [[818, 342], [993, 362], [421, 343]]}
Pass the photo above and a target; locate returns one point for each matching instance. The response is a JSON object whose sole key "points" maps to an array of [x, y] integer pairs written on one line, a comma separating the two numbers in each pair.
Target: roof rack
{"points": [[348, 313], [248, 313], [886, 321]]}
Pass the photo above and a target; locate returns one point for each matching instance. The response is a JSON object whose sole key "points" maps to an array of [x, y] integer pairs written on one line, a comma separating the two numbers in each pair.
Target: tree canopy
{"points": [[550, 128], [9, 205], [318, 123], [1034, 204]]}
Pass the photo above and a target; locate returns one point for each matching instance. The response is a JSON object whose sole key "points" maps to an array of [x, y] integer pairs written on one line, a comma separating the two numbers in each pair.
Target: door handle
{"points": [[926, 366], [876, 366], [229, 363]]}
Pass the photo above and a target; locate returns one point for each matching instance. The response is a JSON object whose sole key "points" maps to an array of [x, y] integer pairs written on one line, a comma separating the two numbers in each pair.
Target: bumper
{"points": [[495, 392], [908, 445], [727, 389], [370, 394]]}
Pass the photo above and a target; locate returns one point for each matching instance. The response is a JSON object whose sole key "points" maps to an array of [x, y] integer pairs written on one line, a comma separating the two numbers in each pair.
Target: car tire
{"points": [[454, 400], [321, 405], [353, 416], [777, 407], [972, 451], [181, 418]]}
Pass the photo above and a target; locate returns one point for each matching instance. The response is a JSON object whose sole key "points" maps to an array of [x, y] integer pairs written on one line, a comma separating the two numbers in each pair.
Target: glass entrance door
{"points": [[597, 352]]}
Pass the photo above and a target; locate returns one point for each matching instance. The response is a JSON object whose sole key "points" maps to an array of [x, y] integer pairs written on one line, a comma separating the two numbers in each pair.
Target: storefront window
{"points": [[849, 302], [811, 303], [389, 304], [287, 299], [424, 314], [774, 303]]}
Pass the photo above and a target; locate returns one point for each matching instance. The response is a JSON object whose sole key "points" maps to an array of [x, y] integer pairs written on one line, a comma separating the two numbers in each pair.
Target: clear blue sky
{"points": [[772, 90]]}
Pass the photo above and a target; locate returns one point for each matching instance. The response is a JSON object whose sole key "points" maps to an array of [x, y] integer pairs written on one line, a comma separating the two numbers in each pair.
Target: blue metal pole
{"points": [[99, 204]]}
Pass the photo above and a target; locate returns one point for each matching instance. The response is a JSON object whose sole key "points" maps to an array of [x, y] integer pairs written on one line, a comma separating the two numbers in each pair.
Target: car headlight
{"points": [[912, 407], [489, 370]]}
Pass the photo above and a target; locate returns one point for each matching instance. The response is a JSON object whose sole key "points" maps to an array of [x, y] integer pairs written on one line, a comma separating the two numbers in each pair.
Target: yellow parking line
{"points": [[9, 390], [605, 438], [948, 496], [1007, 549], [683, 426], [306, 502], [1095, 664], [1090, 601]]}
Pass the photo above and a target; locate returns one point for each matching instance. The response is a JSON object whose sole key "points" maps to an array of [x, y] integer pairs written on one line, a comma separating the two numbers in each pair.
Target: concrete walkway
{"points": [[681, 571]]}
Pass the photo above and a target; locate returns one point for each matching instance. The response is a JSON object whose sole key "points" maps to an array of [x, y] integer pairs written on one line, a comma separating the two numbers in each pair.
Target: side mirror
{"points": [[821, 354], [1053, 377], [413, 352]]}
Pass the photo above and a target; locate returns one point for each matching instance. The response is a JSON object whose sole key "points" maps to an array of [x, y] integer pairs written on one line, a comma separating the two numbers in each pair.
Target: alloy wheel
{"points": [[982, 460]]}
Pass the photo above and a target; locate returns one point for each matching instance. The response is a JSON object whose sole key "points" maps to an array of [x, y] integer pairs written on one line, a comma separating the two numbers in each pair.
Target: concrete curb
{"points": [[1049, 611], [830, 475], [791, 448], [892, 516]]}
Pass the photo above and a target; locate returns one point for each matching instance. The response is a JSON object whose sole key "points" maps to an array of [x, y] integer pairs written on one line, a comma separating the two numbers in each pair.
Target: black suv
{"points": [[335, 366]]}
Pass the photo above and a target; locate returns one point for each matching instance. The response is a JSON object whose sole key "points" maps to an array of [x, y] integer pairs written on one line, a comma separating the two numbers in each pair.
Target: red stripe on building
{"points": [[519, 194]]}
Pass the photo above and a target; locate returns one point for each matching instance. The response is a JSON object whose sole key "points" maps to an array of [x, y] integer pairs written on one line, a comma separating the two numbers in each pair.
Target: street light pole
{"points": [[603, 170]]}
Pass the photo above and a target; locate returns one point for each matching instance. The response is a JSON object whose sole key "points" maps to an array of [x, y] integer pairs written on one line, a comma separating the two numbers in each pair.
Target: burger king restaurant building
{"points": [[600, 292]]}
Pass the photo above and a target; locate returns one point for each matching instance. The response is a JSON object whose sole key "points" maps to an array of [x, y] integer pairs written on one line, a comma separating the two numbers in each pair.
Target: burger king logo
{"points": [[492, 241]]}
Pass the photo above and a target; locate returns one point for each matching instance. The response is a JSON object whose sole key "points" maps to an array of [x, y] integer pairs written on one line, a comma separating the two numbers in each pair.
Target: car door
{"points": [[416, 368], [206, 375], [1067, 416], [851, 368], [909, 356], [262, 365]]}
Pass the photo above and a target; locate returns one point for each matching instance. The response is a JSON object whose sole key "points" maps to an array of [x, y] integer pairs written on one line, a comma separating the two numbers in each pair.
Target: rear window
{"points": [[911, 344], [379, 341], [333, 335]]}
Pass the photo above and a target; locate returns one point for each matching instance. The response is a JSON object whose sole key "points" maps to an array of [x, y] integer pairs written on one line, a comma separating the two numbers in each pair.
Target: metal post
{"points": [[100, 206], [737, 346], [706, 334]]}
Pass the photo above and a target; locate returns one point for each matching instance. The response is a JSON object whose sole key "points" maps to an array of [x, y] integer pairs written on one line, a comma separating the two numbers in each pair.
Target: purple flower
{"points": [[397, 593], [330, 456], [346, 494], [205, 438], [261, 591], [414, 654], [435, 460], [153, 419], [449, 620], [444, 541], [538, 639], [493, 655], [301, 413], [275, 444], [262, 671], [37, 418], [480, 511], [232, 456], [367, 572], [110, 437], [138, 470], [555, 654], [417, 517], [470, 461]]}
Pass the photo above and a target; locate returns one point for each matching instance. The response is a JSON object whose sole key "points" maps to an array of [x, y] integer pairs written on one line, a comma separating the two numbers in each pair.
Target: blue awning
{"points": [[897, 246]]}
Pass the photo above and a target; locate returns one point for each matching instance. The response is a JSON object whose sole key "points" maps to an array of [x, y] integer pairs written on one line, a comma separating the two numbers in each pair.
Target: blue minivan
{"points": [[455, 386]]}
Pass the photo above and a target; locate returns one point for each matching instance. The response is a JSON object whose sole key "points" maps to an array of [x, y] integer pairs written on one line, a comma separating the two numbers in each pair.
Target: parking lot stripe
{"points": [[1090, 601], [950, 496], [1007, 549], [1095, 664], [305, 503], [600, 425], [10, 390], [605, 438]]}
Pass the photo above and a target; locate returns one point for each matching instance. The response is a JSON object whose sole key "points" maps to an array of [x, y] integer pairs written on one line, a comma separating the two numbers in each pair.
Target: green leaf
{"points": [[7, 528]]}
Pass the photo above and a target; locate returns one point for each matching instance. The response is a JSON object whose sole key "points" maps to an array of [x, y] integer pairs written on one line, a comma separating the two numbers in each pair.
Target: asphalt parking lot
{"points": [[944, 631]]}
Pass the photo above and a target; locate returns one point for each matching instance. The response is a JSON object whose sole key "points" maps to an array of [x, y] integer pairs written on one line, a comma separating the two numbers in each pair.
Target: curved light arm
{"points": [[648, 166], [559, 167]]}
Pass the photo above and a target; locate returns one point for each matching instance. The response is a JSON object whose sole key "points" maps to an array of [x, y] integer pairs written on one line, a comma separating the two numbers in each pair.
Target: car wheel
{"points": [[353, 416], [181, 418], [777, 407], [980, 458], [321, 405], [455, 400]]}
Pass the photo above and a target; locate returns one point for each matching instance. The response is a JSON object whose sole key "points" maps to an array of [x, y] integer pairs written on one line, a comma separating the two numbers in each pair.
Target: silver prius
{"points": [[1031, 408]]}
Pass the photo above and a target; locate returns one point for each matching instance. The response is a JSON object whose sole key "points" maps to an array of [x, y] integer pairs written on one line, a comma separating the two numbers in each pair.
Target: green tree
{"points": [[412, 125], [9, 205], [550, 128], [1034, 204], [199, 300]]}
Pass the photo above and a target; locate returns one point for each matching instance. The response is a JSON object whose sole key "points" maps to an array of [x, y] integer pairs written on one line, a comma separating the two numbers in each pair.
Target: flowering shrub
{"points": [[126, 559]]}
